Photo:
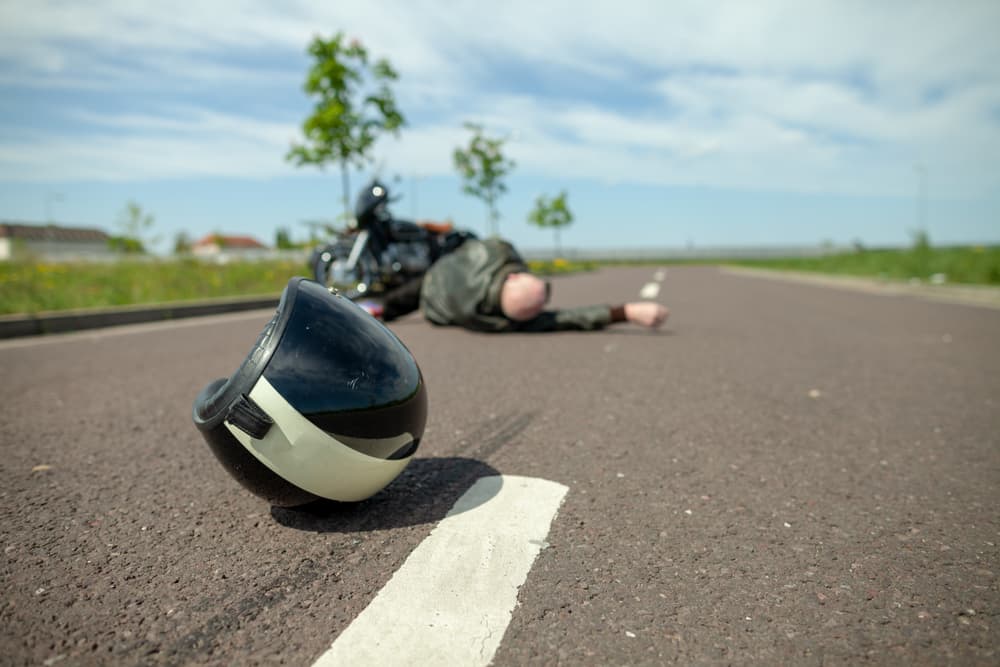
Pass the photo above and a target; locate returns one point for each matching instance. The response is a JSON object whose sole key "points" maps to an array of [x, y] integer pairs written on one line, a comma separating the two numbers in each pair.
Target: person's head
{"points": [[523, 296]]}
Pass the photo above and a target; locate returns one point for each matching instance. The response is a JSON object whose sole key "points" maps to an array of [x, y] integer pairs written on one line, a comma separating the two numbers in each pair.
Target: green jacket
{"points": [[463, 289]]}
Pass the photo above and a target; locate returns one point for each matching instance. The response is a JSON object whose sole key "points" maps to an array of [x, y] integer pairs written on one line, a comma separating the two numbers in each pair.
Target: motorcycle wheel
{"points": [[330, 269], [321, 262]]}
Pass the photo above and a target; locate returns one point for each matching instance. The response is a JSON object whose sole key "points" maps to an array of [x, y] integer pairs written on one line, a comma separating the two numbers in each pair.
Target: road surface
{"points": [[786, 474]]}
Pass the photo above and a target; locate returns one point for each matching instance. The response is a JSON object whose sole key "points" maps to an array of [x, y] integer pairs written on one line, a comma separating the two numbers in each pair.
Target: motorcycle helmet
{"points": [[328, 404]]}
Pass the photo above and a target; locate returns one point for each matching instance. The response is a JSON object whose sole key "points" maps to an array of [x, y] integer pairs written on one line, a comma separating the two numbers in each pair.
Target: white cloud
{"points": [[841, 96], [185, 144]]}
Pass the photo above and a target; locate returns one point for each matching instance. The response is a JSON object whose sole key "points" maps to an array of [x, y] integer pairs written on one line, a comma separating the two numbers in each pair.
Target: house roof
{"points": [[226, 241], [26, 232]]}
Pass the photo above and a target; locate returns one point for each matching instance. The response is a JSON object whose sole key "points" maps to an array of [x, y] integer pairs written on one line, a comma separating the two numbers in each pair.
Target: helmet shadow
{"points": [[423, 493]]}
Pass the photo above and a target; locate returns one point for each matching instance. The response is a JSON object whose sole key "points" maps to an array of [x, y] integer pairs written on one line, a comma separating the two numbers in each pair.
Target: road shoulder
{"points": [[984, 296]]}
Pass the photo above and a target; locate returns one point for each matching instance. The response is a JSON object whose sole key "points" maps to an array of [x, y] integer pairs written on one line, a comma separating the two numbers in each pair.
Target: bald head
{"points": [[523, 296]]}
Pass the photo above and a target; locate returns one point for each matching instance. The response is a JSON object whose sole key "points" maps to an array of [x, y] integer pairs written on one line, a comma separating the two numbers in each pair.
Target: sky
{"points": [[667, 123]]}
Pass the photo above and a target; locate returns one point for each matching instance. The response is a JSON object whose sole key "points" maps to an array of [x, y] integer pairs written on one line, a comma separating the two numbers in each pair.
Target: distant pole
{"points": [[921, 202]]}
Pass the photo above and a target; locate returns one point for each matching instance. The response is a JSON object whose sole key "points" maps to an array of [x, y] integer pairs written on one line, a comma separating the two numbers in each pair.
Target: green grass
{"points": [[31, 287], [969, 265], [978, 265], [559, 266]]}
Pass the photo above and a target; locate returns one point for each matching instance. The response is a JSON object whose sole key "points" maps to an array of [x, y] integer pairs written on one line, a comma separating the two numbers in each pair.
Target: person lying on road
{"points": [[485, 285]]}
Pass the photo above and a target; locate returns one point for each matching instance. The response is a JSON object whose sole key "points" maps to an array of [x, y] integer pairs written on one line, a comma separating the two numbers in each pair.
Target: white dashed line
{"points": [[451, 601], [660, 275], [650, 290]]}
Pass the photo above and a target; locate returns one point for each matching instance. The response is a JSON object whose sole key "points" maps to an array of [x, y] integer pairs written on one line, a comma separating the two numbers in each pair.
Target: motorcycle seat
{"points": [[436, 227]]}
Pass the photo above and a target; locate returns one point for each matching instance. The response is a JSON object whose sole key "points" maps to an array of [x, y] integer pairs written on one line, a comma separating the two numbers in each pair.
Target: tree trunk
{"points": [[346, 186], [490, 217]]}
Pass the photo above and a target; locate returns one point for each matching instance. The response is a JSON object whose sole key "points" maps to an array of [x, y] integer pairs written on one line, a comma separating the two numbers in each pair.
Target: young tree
{"points": [[134, 224], [552, 213], [182, 243], [354, 105], [920, 257], [283, 239], [483, 167]]}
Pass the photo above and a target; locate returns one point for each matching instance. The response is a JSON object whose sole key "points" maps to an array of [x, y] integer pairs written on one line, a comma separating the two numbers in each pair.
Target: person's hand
{"points": [[646, 313]]}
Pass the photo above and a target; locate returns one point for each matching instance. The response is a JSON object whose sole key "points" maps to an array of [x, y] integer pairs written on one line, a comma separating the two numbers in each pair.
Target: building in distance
{"points": [[53, 242]]}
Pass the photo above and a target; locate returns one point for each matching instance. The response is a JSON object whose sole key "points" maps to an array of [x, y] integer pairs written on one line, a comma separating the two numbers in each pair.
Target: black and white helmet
{"points": [[328, 404]]}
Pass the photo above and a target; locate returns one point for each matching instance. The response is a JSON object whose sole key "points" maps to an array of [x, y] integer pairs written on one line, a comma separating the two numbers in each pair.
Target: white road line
{"points": [[137, 328], [451, 601], [660, 275], [650, 290]]}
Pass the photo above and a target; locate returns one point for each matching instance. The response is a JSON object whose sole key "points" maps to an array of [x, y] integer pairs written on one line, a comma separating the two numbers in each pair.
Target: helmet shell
{"points": [[328, 404]]}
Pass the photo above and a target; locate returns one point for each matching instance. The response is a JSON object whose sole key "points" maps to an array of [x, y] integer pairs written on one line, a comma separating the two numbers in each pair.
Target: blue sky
{"points": [[667, 123]]}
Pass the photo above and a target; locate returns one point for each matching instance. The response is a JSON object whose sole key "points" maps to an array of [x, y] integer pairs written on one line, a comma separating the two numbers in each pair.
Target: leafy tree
{"points": [[182, 243], [552, 213], [483, 167], [134, 224], [283, 239], [921, 253], [354, 105]]}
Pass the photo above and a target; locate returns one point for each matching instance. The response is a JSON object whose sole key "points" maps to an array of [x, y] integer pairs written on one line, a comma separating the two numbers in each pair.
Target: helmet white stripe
{"points": [[308, 457]]}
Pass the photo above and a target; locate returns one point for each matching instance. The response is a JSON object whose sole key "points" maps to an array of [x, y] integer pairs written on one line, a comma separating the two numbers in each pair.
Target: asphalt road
{"points": [[787, 474]]}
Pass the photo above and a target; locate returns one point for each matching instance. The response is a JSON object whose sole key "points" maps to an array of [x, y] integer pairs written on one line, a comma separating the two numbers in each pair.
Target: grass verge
{"points": [[976, 265], [32, 287]]}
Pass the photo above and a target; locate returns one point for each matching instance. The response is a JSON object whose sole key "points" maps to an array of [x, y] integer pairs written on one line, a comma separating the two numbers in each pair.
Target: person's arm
{"points": [[583, 318], [402, 300], [589, 318]]}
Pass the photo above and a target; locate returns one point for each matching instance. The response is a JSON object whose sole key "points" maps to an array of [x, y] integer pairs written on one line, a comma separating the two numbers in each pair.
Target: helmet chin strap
{"points": [[312, 459]]}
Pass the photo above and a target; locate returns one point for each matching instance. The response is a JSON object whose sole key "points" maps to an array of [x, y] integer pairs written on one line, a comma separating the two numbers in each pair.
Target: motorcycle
{"points": [[381, 252]]}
